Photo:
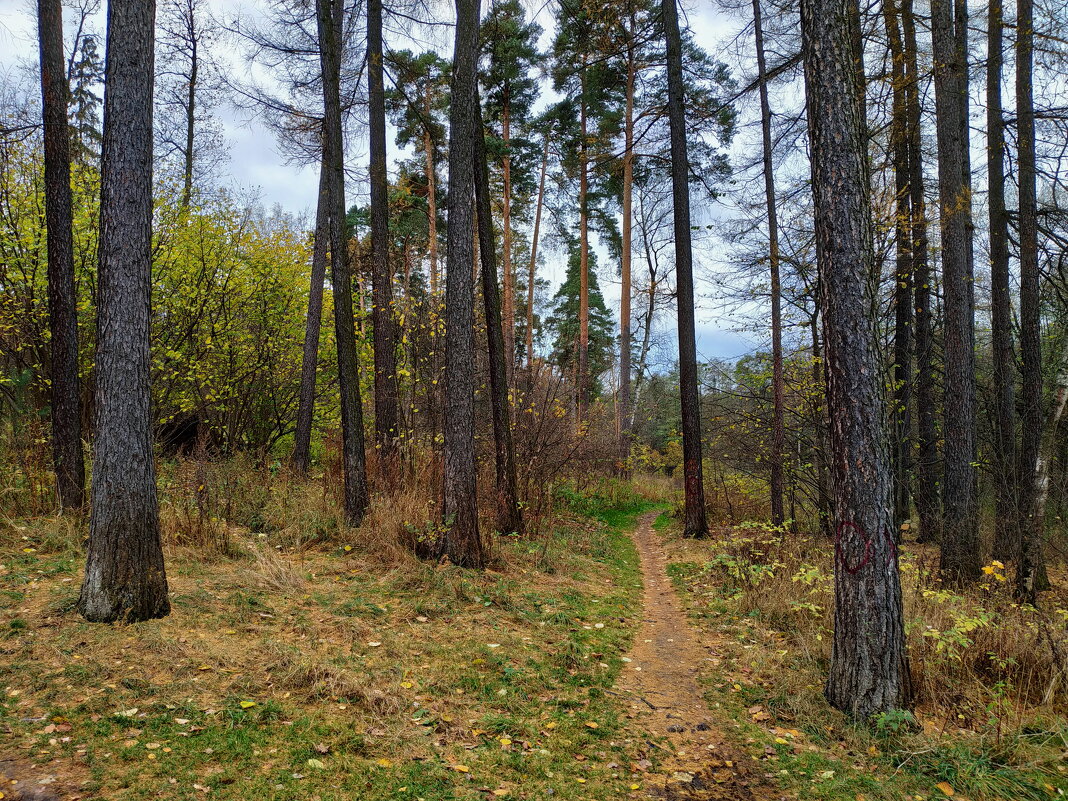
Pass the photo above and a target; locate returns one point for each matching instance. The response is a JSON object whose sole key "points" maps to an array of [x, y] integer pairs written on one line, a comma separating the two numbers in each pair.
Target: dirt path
{"points": [[660, 686]]}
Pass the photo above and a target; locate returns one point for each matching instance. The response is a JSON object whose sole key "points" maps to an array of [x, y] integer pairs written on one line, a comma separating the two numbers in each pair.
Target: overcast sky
{"points": [[255, 167]]}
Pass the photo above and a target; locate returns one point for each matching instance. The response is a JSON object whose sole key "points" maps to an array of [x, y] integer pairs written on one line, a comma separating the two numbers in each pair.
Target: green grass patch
{"points": [[419, 681]]}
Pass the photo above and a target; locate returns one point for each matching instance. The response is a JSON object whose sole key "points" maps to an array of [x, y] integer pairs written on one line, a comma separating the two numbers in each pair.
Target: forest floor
{"points": [[596, 662], [660, 683], [320, 674], [763, 684]]}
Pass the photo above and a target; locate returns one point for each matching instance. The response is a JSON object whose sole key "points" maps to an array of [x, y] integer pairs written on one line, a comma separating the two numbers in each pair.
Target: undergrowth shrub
{"points": [[976, 656]]}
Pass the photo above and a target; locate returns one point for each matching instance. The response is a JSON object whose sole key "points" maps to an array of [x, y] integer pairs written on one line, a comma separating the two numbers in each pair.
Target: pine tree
{"points": [[960, 533], [62, 297], [869, 670], [86, 73], [695, 521], [417, 104], [329, 18], [461, 541], [589, 82], [124, 573], [564, 325], [510, 88]]}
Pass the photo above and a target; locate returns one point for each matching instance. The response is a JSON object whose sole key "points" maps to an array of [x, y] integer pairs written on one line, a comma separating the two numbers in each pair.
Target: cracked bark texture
{"points": [[62, 298], [869, 671], [461, 541], [124, 573]]}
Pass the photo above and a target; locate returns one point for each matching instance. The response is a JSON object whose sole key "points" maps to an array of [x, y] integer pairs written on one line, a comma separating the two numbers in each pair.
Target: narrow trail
{"points": [[659, 683]]}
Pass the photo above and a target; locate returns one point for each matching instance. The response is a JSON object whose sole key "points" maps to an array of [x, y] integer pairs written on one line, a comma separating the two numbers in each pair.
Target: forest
{"points": [[651, 399]]}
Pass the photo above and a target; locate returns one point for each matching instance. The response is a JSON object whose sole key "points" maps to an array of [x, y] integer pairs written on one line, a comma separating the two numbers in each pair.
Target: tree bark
{"points": [[509, 519], [385, 337], [124, 572], [533, 269], [301, 459], [431, 195], [190, 110], [824, 510], [507, 273], [461, 541], [899, 148], [582, 363], [778, 427], [1033, 470], [330, 15], [623, 413], [926, 462], [960, 558], [869, 671], [1005, 515], [62, 295], [695, 523]]}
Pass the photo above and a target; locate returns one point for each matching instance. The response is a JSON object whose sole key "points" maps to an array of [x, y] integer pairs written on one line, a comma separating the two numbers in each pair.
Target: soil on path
{"points": [[659, 684]]}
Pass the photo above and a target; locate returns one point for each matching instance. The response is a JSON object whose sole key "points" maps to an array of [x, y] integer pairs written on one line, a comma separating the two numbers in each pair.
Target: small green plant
{"points": [[894, 723]]}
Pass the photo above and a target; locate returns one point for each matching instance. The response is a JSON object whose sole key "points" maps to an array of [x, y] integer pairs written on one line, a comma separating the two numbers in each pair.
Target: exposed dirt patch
{"points": [[692, 759], [25, 782]]}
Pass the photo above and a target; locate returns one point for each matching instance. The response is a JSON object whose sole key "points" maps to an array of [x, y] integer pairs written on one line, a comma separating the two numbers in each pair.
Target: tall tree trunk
{"points": [[461, 541], [927, 491], [824, 510], [1032, 467], [301, 459], [330, 15], [124, 573], [508, 516], [508, 274], [582, 363], [650, 313], [385, 339], [431, 196], [899, 148], [62, 296], [623, 413], [960, 531], [1031, 577], [533, 269], [695, 523], [869, 670], [778, 427], [1005, 516], [190, 111]]}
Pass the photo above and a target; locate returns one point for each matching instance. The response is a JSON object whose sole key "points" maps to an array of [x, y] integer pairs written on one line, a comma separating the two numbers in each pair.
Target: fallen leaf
{"points": [[946, 788]]}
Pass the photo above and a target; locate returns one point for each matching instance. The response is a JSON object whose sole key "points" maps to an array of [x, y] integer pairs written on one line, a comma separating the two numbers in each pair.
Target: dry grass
{"points": [[968, 650], [397, 668], [272, 572]]}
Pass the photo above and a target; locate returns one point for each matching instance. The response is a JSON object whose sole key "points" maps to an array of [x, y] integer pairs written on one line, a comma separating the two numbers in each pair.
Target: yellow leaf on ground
{"points": [[946, 788], [461, 768], [248, 704]]}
